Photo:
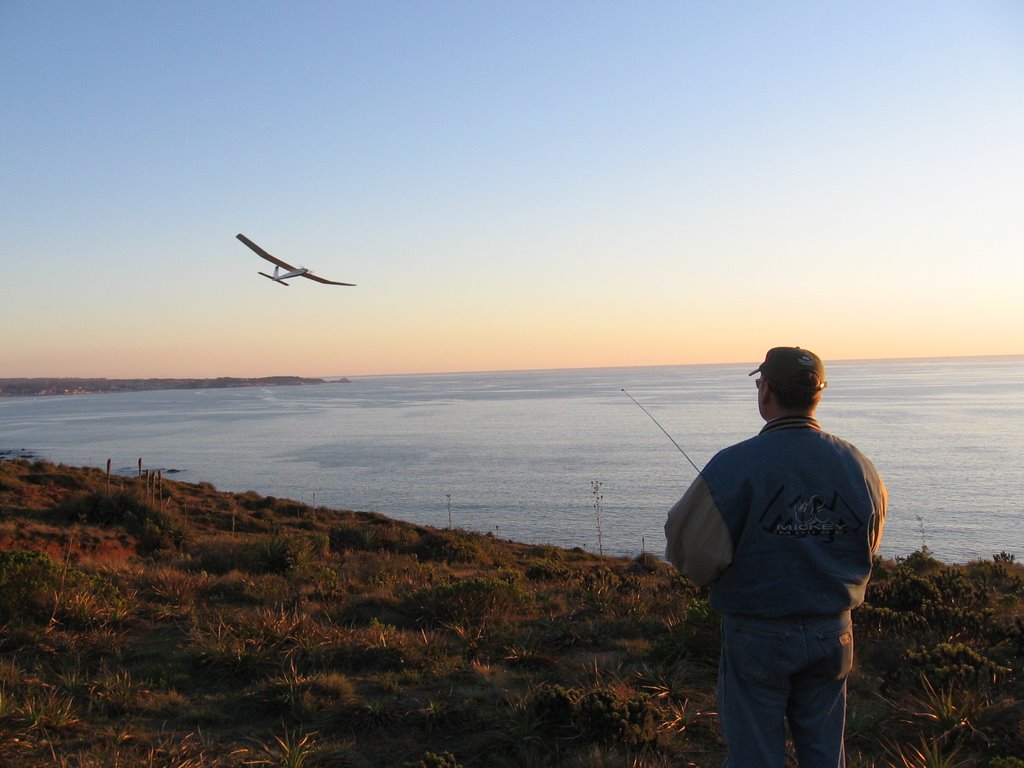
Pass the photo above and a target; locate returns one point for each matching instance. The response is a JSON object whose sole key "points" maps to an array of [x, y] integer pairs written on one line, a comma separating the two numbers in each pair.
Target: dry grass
{"points": [[180, 627]]}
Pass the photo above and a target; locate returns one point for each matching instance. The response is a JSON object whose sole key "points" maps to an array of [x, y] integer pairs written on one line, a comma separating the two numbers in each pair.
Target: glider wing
{"points": [[319, 279], [264, 254]]}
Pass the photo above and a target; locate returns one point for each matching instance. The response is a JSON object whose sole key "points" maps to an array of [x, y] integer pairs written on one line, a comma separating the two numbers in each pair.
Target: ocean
{"points": [[561, 457]]}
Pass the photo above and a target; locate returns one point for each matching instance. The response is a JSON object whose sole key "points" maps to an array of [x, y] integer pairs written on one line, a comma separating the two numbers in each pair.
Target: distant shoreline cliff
{"points": [[78, 386]]}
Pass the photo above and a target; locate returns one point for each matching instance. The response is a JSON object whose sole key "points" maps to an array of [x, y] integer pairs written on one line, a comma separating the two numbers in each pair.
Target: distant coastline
{"points": [[30, 387]]}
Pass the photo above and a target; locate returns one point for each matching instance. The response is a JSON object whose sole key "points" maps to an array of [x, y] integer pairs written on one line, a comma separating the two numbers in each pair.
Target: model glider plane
{"points": [[280, 277]]}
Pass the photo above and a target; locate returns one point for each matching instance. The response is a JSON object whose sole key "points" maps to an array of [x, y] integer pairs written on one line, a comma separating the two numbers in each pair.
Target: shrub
{"points": [[245, 645], [954, 664], [28, 581], [451, 546], [301, 696], [46, 474], [281, 553], [600, 715], [270, 554], [921, 561], [555, 709], [603, 716], [468, 599], [154, 527], [600, 583], [548, 570], [648, 563], [995, 575], [904, 591], [944, 602], [696, 635]]}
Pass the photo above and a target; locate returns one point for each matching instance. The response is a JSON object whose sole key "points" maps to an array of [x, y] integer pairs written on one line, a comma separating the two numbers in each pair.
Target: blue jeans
{"points": [[774, 671]]}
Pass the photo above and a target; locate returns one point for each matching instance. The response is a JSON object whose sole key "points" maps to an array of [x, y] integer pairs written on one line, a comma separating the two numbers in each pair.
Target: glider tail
{"points": [[271, 277]]}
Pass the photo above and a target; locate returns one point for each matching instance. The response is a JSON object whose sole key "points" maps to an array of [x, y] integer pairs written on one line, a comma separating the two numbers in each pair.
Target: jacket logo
{"points": [[802, 517]]}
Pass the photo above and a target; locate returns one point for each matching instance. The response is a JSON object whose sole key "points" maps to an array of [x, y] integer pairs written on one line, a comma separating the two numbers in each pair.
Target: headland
{"points": [[29, 387]]}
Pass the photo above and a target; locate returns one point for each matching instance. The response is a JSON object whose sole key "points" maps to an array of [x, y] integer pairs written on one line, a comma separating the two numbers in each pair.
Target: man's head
{"points": [[794, 376]]}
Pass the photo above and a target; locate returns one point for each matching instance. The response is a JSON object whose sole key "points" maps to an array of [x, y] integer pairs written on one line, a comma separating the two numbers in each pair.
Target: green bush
{"points": [[954, 664], [921, 561], [600, 715], [548, 570], [474, 599], [28, 581], [451, 547], [904, 592], [696, 636], [943, 602], [154, 527], [648, 563], [604, 717], [555, 709], [286, 553]]}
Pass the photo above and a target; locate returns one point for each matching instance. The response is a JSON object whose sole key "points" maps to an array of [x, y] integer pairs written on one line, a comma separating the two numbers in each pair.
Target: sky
{"points": [[511, 185]]}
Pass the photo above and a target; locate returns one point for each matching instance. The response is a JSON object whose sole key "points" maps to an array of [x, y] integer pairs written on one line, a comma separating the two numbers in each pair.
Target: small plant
{"points": [[680, 717], [696, 636], [443, 760], [243, 650], [114, 693], [48, 709], [290, 750], [595, 486], [599, 584], [929, 755], [948, 710], [8, 706], [272, 554], [924, 538]]}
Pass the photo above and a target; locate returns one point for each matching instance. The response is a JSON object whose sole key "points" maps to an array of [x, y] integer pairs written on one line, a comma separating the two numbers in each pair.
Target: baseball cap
{"points": [[793, 368]]}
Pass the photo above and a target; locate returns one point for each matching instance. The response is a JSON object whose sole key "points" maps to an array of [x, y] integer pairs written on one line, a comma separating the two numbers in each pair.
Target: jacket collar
{"points": [[791, 422]]}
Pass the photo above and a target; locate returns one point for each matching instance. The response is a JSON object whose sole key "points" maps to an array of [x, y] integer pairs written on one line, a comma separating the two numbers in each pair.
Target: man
{"points": [[783, 527]]}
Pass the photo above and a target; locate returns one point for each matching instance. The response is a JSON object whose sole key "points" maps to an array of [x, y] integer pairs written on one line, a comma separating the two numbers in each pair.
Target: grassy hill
{"points": [[145, 622]]}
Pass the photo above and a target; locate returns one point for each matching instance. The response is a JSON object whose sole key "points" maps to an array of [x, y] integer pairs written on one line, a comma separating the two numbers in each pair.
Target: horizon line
{"points": [[921, 358]]}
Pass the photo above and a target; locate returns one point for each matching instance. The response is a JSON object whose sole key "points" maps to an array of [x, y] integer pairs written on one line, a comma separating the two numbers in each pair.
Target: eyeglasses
{"points": [[759, 382]]}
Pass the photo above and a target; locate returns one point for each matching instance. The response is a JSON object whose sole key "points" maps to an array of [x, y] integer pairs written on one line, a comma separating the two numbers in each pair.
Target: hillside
{"points": [[147, 622]]}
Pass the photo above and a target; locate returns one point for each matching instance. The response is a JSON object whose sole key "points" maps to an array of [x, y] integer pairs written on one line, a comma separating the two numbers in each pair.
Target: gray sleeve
{"points": [[881, 501], [699, 544]]}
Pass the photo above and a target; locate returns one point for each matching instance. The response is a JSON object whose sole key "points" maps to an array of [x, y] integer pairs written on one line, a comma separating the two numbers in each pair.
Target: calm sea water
{"points": [[517, 454]]}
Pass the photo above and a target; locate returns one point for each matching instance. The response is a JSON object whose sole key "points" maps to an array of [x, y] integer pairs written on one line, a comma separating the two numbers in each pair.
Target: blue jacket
{"points": [[781, 525]]}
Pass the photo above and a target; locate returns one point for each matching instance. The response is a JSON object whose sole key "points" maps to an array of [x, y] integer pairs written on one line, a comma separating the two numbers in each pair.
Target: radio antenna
{"points": [[663, 430]]}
